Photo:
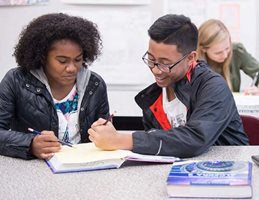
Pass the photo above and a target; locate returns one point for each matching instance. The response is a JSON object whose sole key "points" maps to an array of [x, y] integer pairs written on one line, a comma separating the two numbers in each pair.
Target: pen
{"points": [[109, 119], [60, 141], [255, 79]]}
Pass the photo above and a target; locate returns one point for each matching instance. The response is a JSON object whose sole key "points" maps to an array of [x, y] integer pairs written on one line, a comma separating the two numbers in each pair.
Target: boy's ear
{"points": [[192, 57]]}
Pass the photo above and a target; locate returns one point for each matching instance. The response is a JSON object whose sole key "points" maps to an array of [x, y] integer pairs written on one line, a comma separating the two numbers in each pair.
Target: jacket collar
{"points": [[82, 80], [182, 88]]}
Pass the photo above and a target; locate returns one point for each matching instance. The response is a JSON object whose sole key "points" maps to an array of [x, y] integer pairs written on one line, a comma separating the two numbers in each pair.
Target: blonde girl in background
{"points": [[223, 56]]}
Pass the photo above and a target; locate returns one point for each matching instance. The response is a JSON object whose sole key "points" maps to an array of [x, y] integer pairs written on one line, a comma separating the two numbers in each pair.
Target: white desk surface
{"points": [[20, 179], [247, 104]]}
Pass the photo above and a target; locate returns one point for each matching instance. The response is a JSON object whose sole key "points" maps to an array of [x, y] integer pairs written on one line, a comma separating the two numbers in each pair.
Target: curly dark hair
{"points": [[37, 38]]}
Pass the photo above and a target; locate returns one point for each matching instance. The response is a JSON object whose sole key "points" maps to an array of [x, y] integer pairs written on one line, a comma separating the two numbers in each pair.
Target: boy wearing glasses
{"points": [[188, 109]]}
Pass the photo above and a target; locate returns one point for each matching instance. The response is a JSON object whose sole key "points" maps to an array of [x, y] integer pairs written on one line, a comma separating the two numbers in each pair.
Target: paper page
{"points": [[151, 158], [87, 152]]}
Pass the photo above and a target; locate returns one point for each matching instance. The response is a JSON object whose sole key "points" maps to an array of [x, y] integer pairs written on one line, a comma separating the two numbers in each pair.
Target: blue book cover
{"points": [[220, 179]]}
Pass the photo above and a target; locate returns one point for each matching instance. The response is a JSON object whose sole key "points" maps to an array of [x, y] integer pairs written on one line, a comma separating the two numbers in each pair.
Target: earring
{"points": [[84, 65]]}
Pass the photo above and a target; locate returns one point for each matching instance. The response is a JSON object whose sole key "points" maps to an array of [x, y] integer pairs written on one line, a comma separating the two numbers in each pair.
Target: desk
{"points": [[22, 179], [246, 104]]}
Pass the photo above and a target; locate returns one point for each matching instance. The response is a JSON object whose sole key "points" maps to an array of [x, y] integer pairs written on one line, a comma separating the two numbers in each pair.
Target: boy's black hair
{"points": [[177, 30]]}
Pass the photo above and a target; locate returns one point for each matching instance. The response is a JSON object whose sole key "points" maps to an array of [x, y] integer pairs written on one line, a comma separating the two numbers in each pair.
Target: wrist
{"points": [[30, 151], [124, 141]]}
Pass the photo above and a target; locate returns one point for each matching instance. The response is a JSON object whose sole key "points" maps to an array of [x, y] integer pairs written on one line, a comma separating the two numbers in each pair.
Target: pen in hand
{"points": [[255, 79], [109, 119], [39, 133]]}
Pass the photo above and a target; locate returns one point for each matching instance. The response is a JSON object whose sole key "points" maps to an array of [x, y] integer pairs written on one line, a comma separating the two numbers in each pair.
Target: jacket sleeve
{"points": [[212, 110], [147, 123], [247, 62], [12, 143], [104, 104]]}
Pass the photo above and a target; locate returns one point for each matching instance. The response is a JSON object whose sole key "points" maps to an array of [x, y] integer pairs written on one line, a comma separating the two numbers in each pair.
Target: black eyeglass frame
{"points": [[169, 66]]}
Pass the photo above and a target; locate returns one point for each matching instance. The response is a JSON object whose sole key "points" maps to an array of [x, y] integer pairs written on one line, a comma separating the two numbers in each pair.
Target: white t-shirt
{"points": [[175, 110], [67, 111]]}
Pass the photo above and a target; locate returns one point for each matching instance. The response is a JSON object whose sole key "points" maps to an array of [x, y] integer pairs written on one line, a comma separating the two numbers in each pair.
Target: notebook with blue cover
{"points": [[210, 179]]}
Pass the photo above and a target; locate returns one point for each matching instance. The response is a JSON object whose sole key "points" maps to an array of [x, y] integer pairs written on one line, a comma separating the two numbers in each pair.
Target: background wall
{"points": [[123, 25]]}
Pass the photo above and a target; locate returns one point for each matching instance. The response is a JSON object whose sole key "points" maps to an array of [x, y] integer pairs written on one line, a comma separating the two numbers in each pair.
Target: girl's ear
{"points": [[204, 50]]}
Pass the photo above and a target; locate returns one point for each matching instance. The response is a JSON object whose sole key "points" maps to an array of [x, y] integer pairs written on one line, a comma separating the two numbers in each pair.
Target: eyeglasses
{"points": [[162, 67]]}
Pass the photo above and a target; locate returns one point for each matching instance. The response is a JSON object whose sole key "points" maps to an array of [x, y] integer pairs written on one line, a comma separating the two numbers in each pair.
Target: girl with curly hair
{"points": [[52, 90]]}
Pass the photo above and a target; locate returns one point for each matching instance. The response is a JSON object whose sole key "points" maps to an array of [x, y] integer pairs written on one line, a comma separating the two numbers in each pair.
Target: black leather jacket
{"points": [[25, 102], [212, 117]]}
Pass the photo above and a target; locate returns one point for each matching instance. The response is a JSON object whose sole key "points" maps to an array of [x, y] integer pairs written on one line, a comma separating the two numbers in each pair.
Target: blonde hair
{"points": [[212, 32]]}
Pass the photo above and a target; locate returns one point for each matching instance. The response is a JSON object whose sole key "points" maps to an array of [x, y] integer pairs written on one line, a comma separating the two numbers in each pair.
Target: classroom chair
{"points": [[251, 127]]}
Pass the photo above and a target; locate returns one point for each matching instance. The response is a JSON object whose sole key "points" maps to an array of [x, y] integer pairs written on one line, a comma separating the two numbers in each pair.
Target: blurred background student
{"points": [[225, 57], [52, 90]]}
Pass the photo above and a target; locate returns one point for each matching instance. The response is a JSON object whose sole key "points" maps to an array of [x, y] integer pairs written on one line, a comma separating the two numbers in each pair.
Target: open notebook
{"points": [[87, 157]]}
